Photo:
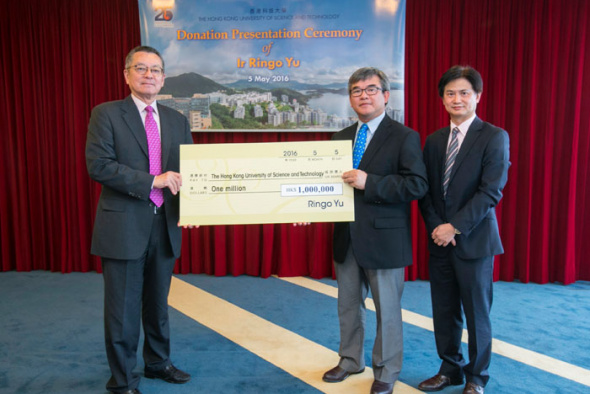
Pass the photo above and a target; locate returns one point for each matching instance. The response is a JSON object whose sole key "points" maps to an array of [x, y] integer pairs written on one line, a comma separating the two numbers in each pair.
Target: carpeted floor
{"points": [[252, 335]]}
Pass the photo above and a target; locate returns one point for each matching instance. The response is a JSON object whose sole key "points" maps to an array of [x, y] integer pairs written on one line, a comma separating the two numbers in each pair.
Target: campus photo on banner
{"points": [[280, 65]]}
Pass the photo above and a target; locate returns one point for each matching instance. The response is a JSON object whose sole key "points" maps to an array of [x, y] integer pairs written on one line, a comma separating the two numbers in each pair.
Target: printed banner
{"points": [[280, 65]]}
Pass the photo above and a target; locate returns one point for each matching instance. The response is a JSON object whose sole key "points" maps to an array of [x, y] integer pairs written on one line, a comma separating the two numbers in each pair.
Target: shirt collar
{"points": [[141, 106], [464, 126], [372, 124]]}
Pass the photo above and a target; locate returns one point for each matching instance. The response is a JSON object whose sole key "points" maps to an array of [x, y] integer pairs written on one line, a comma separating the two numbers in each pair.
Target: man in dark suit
{"points": [[133, 150], [372, 251], [467, 166]]}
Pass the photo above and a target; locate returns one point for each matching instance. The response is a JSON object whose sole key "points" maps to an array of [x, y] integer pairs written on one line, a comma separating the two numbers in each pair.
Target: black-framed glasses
{"points": [[143, 69], [371, 91]]}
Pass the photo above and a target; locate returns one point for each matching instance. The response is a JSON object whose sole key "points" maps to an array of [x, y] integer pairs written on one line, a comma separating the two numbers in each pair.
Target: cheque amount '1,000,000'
{"points": [[330, 189]]}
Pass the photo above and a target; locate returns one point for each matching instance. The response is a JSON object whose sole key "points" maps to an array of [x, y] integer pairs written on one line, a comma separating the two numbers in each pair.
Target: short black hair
{"points": [[142, 48], [456, 72], [367, 72]]}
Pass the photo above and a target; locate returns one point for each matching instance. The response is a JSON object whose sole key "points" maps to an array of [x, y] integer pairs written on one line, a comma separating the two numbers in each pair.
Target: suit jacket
{"points": [[117, 157], [475, 187], [380, 236]]}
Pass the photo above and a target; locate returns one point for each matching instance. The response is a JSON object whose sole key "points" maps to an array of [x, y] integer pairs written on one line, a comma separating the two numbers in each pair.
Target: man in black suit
{"points": [[372, 251], [136, 229], [467, 164]]}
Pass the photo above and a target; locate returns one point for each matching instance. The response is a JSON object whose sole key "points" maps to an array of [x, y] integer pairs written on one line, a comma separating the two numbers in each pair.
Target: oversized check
{"points": [[276, 182]]}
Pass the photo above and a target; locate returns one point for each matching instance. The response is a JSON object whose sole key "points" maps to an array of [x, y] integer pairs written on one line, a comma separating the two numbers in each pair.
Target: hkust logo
{"points": [[163, 12]]}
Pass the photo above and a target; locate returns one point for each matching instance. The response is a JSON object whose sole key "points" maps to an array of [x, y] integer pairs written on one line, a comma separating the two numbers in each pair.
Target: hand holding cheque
{"points": [[293, 182]]}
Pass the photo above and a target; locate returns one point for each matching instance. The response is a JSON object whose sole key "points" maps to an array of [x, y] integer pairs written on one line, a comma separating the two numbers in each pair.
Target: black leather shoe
{"points": [[472, 388], [170, 374], [338, 374], [439, 382], [379, 387]]}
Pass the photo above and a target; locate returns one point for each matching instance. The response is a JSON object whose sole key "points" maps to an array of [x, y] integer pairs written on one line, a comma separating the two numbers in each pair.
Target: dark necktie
{"points": [[359, 146], [155, 153], [451, 156]]}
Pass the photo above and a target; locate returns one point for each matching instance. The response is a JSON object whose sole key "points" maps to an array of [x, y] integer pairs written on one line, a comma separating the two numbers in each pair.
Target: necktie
{"points": [[155, 153], [451, 155], [359, 145]]}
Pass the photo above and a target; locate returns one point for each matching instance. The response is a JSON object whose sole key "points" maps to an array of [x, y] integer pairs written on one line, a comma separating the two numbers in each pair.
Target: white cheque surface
{"points": [[275, 182]]}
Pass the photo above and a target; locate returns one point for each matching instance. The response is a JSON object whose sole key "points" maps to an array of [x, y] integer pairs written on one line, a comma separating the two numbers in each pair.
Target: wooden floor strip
{"points": [[505, 349], [298, 356]]}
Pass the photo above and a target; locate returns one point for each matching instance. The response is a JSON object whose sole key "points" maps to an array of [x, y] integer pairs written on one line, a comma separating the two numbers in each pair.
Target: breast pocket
{"points": [[112, 206]]}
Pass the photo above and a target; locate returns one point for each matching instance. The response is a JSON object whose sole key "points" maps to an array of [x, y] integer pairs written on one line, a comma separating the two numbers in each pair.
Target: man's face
{"points": [[148, 85], [460, 100], [368, 107]]}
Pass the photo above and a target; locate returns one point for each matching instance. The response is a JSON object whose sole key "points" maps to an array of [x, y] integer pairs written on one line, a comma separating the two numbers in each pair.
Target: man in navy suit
{"points": [[372, 251], [467, 164], [136, 235]]}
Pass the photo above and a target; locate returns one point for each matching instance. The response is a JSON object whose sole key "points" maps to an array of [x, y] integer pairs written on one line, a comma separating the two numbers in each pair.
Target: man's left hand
{"points": [[444, 234]]}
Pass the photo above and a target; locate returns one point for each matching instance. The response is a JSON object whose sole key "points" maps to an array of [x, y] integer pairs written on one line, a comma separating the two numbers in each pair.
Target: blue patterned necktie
{"points": [[359, 146], [451, 156]]}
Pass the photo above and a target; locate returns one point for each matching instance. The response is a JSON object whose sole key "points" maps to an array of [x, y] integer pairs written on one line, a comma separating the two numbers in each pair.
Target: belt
{"points": [[157, 210]]}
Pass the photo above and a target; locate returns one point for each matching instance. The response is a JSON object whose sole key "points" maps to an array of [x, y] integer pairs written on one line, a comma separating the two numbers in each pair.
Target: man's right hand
{"points": [[171, 180]]}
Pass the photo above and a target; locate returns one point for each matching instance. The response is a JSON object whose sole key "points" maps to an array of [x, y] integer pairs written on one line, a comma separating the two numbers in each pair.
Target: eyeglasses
{"points": [[371, 91], [142, 70]]}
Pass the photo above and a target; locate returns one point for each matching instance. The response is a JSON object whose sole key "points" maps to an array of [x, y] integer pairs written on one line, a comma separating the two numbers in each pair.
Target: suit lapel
{"points": [[165, 137], [379, 138], [470, 139], [133, 119], [349, 133], [444, 142]]}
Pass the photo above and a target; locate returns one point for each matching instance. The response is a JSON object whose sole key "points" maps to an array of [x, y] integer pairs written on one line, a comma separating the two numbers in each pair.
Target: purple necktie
{"points": [[155, 153]]}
